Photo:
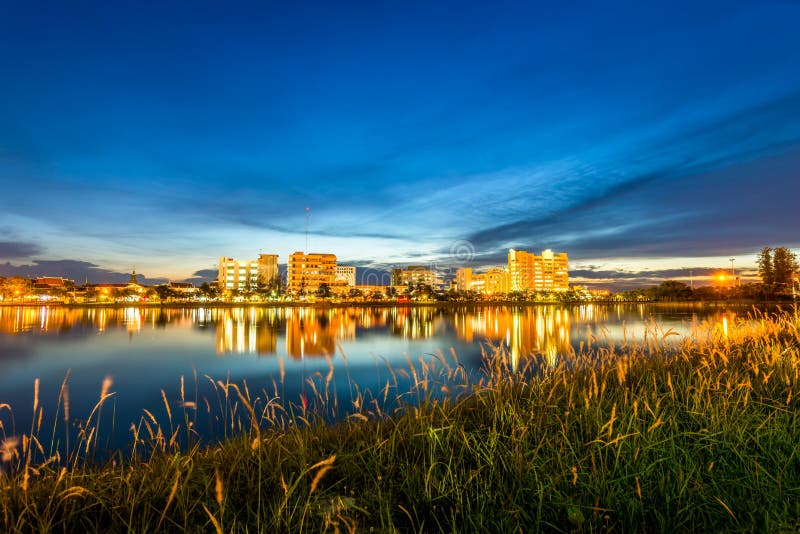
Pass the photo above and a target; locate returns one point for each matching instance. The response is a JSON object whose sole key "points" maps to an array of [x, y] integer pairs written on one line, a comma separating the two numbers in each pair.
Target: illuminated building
{"points": [[528, 272], [493, 282], [183, 288], [267, 269], [235, 275], [307, 271], [106, 292], [416, 274], [464, 279], [346, 274], [52, 282]]}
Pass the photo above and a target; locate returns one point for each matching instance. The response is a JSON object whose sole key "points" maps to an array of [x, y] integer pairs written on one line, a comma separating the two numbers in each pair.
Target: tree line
{"points": [[777, 267]]}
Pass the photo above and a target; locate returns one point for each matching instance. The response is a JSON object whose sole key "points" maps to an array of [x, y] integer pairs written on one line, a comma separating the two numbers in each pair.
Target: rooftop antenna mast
{"points": [[307, 210]]}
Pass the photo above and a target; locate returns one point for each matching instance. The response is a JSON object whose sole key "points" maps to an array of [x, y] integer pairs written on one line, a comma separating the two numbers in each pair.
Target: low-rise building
{"points": [[346, 274], [416, 274], [183, 288], [495, 281]]}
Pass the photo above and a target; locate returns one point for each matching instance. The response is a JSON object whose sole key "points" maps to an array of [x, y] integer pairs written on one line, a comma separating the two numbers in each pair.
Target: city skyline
{"points": [[648, 142]]}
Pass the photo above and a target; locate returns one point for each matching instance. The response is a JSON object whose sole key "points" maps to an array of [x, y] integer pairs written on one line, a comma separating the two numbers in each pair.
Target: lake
{"points": [[146, 350]]}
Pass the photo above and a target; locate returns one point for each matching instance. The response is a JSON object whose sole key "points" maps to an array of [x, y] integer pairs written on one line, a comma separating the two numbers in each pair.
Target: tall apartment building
{"points": [[416, 274], [528, 272], [243, 275], [346, 274], [307, 271]]}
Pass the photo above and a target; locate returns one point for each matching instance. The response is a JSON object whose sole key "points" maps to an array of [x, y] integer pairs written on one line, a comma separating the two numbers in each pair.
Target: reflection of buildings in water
{"points": [[311, 332], [57, 320], [368, 318], [544, 330], [132, 319], [414, 323], [244, 330]]}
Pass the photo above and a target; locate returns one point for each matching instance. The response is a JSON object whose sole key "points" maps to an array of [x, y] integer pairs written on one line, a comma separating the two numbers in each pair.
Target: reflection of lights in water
{"points": [[131, 318], [515, 345], [725, 326], [239, 342], [522, 331], [551, 353]]}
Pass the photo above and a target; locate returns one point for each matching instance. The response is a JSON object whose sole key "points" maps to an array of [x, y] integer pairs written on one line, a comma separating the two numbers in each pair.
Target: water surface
{"points": [[147, 350]]}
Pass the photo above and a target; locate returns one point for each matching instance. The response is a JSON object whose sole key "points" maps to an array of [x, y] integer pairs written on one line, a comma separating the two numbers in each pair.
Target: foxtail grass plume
{"points": [[8, 449]]}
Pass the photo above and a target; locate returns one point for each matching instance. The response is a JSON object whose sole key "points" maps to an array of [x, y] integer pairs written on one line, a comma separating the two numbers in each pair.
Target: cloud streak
{"points": [[16, 249]]}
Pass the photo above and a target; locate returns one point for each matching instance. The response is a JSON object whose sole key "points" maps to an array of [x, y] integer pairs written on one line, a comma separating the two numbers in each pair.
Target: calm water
{"points": [[146, 350]]}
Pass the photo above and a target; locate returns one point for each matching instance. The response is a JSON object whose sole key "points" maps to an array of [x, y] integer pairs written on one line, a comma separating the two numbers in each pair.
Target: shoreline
{"points": [[376, 304]]}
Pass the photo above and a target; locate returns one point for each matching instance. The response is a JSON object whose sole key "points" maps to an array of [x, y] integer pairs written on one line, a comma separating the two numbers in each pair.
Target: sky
{"points": [[648, 140]]}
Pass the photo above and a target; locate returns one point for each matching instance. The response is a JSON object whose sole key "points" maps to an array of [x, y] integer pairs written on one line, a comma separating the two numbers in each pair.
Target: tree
{"points": [[355, 293], [776, 267], [765, 268], [276, 286], [324, 290], [15, 288], [209, 290], [784, 265], [671, 290], [164, 292]]}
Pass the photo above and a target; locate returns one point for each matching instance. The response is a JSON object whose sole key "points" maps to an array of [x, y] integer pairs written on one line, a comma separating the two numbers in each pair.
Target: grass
{"points": [[665, 434]]}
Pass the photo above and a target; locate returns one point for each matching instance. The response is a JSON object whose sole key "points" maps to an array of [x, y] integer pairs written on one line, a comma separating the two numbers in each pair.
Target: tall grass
{"points": [[700, 433]]}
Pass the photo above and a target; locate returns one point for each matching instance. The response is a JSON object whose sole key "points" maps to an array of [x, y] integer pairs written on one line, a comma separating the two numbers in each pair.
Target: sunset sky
{"points": [[645, 141]]}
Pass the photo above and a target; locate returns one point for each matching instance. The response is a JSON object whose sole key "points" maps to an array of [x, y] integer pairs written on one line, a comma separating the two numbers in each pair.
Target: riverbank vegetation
{"points": [[664, 433]]}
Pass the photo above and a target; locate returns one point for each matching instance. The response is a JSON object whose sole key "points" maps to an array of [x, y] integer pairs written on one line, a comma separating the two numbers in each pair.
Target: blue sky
{"points": [[645, 140]]}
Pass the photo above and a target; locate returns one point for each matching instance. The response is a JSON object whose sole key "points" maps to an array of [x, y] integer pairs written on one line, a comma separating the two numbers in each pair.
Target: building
{"points": [[53, 282], [492, 282], [183, 288], [113, 292], [463, 279], [495, 281], [528, 272], [267, 269], [308, 271], [416, 274], [237, 275], [346, 274]]}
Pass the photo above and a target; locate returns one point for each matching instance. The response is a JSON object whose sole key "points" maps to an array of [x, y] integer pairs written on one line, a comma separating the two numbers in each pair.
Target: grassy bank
{"points": [[697, 435]]}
